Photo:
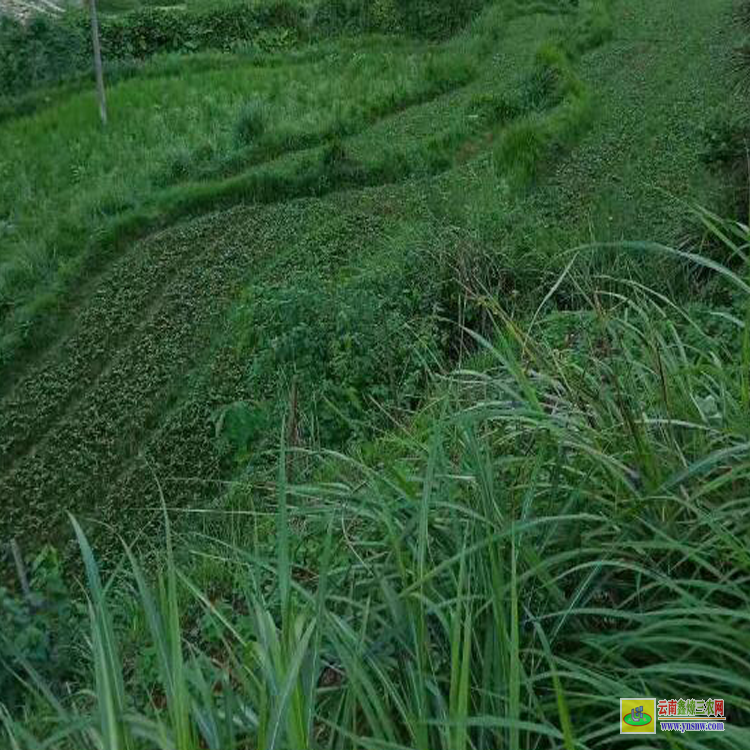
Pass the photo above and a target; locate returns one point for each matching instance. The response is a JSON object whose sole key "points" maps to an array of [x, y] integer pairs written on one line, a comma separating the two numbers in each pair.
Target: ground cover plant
{"points": [[302, 105], [438, 600], [154, 314], [353, 402]]}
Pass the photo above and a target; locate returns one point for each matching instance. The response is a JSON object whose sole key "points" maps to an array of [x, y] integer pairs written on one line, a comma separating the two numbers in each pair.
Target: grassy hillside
{"points": [[419, 359]]}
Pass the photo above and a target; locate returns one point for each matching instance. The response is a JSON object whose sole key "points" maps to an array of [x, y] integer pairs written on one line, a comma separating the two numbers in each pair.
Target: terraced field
{"points": [[378, 376], [121, 347]]}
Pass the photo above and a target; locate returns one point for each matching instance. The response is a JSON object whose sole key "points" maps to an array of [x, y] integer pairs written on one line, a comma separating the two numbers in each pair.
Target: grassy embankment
{"points": [[562, 521], [126, 337]]}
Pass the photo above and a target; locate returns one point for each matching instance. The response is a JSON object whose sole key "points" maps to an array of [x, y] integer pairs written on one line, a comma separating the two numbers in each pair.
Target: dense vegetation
{"points": [[378, 377]]}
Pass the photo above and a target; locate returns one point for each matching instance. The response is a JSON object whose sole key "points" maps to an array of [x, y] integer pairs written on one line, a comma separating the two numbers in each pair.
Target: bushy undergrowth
{"points": [[564, 524], [88, 225], [48, 50], [356, 346], [38, 630]]}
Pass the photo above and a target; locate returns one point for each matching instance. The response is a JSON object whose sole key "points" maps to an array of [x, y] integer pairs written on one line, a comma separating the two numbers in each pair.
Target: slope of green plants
{"points": [[132, 330], [410, 444], [117, 380], [68, 181], [563, 525]]}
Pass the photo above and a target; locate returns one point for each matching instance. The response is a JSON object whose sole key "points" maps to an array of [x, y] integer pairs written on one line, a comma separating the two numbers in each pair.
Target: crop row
{"points": [[71, 466], [116, 307], [132, 378], [342, 109], [113, 312]]}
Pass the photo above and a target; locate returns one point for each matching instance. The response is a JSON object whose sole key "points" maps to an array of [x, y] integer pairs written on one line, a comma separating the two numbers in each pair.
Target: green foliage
{"points": [[593, 26], [238, 427], [529, 143], [49, 50], [40, 53], [351, 16], [349, 343], [726, 140], [252, 122], [149, 31], [130, 329], [38, 633], [436, 19], [484, 559]]}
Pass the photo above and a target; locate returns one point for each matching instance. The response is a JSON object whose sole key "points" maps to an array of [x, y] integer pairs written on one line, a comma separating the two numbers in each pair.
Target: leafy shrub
{"points": [[349, 16], [149, 31], [237, 426], [39, 631], [348, 342], [40, 53], [48, 50]]}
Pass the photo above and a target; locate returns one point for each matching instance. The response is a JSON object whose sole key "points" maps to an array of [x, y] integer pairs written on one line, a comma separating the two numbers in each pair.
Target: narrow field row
{"points": [[113, 312], [107, 427], [408, 152], [76, 458], [660, 86]]}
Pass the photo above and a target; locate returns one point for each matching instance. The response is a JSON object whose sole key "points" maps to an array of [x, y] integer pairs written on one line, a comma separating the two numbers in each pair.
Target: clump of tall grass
{"points": [[593, 26], [252, 122], [565, 524]]}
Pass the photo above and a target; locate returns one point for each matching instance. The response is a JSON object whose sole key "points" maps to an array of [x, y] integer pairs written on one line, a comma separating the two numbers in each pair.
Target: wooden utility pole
{"points": [[98, 64]]}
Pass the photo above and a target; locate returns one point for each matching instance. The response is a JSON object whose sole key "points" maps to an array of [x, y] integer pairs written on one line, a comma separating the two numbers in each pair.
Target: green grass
{"points": [[563, 525], [101, 184], [411, 443]]}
